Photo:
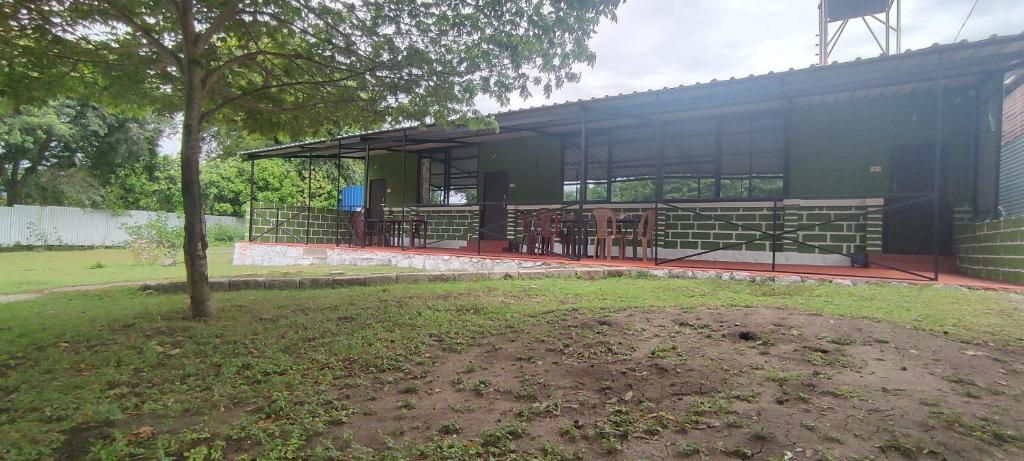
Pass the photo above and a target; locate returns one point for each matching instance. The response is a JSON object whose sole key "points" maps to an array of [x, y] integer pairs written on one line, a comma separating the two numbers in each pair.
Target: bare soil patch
{"points": [[712, 384]]}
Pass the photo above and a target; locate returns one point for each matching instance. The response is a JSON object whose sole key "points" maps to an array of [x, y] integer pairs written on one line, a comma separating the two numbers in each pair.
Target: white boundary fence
{"points": [[58, 225]]}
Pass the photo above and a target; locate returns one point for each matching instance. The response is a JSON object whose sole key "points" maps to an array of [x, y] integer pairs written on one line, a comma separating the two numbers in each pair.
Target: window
{"points": [[752, 154], [691, 160], [703, 160], [449, 178]]}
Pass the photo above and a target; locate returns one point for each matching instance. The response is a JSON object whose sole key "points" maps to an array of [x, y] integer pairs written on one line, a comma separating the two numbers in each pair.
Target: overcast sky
{"points": [[658, 43]]}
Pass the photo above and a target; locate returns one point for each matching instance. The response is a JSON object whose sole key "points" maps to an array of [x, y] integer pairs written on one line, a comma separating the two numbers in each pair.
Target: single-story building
{"points": [[885, 161]]}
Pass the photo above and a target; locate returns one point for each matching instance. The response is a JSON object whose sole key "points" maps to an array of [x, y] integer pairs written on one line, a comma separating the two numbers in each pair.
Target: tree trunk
{"points": [[199, 306], [14, 184]]}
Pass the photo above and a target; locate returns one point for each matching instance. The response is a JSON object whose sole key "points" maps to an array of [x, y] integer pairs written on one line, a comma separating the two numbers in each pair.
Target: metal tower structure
{"points": [[887, 13]]}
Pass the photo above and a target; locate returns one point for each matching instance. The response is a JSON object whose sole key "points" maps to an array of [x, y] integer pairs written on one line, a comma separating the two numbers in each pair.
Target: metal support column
{"points": [[659, 181], [252, 194], [366, 193], [309, 195], [401, 229], [480, 212], [937, 178], [337, 197], [581, 196], [775, 230]]}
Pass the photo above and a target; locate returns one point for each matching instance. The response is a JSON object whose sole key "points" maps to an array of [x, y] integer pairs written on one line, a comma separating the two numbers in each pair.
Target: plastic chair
{"points": [[530, 234], [606, 233], [645, 229], [355, 222], [565, 229], [546, 230], [417, 229]]}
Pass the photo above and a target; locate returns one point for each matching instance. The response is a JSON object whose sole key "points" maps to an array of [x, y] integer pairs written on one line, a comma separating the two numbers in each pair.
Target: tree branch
{"points": [[162, 49], [266, 86], [229, 11], [214, 74]]}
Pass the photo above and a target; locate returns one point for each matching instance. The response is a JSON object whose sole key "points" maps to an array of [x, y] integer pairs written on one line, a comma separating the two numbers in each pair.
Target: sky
{"points": [[659, 43]]}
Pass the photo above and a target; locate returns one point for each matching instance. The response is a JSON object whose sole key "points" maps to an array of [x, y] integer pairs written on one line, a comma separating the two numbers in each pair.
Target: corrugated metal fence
{"points": [[57, 225], [1011, 178]]}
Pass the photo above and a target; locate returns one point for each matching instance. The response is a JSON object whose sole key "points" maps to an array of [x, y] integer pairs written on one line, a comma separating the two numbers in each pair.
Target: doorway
{"points": [[378, 191], [494, 219], [908, 229]]}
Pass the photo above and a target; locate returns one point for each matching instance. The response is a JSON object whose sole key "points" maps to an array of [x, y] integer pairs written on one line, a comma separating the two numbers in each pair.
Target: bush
{"points": [[155, 240], [220, 233]]}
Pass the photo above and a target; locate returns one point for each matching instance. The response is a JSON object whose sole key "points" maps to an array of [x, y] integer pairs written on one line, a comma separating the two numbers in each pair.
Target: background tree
{"points": [[65, 152], [302, 67]]}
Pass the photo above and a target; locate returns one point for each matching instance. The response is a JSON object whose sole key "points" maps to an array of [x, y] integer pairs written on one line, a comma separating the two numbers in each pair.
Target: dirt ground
{"points": [[713, 384]]}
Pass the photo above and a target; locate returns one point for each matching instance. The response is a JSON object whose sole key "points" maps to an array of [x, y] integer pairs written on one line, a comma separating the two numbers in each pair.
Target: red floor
{"points": [[813, 271]]}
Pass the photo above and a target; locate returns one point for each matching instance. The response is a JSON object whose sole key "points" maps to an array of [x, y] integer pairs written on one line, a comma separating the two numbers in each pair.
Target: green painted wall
{"points": [[389, 167], [833, 145], [533, 165]]}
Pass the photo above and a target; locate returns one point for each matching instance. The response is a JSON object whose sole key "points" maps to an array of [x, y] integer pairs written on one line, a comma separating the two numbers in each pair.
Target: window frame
{"points": [[446, 189], [716, 178]]}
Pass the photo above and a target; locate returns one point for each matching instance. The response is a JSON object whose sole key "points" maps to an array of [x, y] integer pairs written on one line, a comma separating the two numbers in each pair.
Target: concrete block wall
{"points": [[325, 224], [683, 230], [993, 250], [707, 231], [848, 235], [446, 223]]}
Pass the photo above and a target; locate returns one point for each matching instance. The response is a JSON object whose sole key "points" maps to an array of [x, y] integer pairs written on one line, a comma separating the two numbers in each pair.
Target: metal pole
{"points": [[887, 28], [582, 195], [252, 194], [401, 229], [775, 229], [366, 192], [657, 240], [823, 32], [309, 195], [899, 26], [479, 209], [337, 197], [277, 220], [659, 176], [937, 178]]}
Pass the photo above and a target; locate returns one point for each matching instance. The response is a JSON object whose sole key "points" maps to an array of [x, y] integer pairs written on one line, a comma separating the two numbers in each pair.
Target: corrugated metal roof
{"points": [[955, 63]]}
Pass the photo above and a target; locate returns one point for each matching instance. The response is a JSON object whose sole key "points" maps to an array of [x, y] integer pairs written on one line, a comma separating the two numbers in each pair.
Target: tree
{"points": [[302, 67], [64, 152], [153, 184]]}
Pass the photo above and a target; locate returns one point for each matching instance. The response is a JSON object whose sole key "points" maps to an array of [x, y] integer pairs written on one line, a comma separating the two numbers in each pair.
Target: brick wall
{"points": [[993, 250], [678, 229], [446, 223], [324, 224], [683, 230], [849, 234]]}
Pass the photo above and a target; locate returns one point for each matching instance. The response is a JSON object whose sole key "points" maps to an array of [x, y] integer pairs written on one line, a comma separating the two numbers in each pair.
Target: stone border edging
{"points": [[588, 273]]}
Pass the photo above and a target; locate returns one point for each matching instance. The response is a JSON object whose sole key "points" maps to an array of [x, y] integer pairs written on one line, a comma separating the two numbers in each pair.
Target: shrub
{"points": [[155, 240], [220, 233]]}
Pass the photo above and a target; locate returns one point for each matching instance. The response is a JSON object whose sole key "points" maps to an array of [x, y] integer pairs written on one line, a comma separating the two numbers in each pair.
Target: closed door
{"points": [[909, 229], [378, 189], [494, 220]]}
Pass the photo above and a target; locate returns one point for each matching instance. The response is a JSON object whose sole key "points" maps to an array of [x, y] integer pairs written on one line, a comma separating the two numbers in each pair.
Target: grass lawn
{"points": [[25, 271], [116, 374]]}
